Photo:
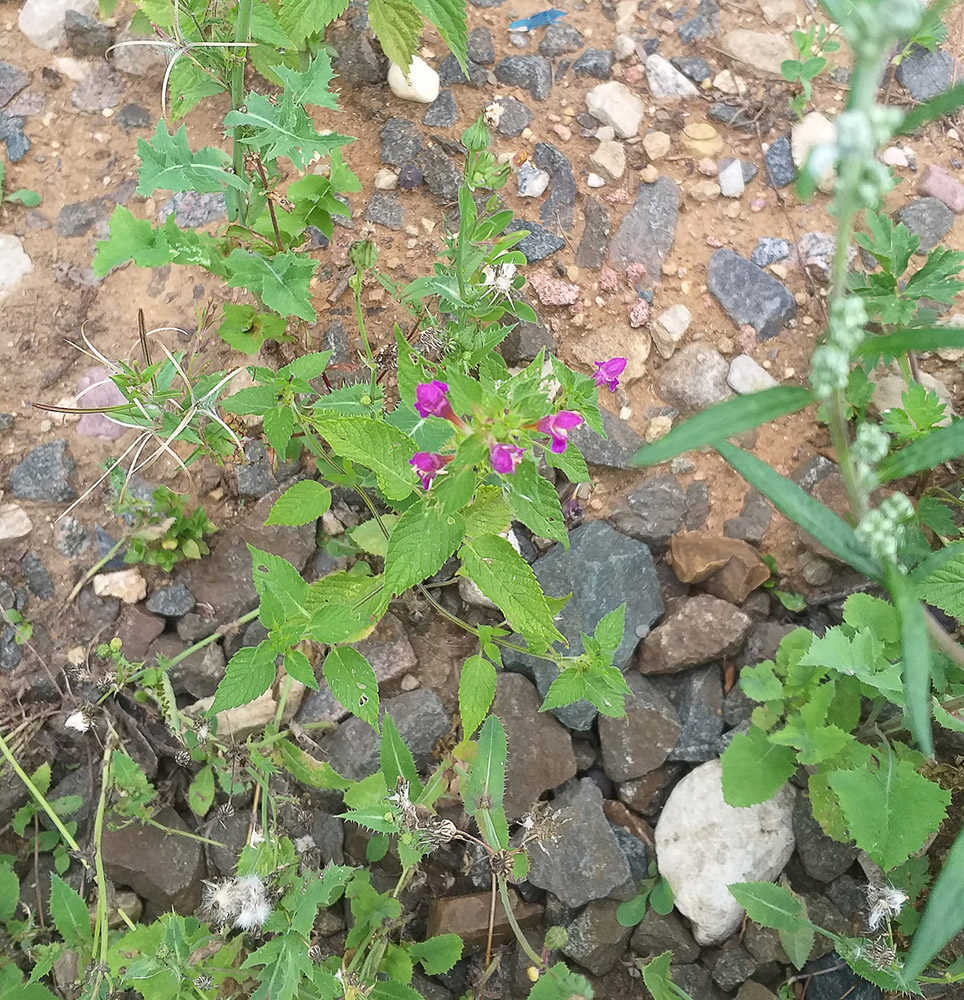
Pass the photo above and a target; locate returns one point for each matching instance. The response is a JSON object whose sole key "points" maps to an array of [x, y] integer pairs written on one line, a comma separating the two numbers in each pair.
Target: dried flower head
{"points": [[80, 721], [499, 278], [883, 902]]}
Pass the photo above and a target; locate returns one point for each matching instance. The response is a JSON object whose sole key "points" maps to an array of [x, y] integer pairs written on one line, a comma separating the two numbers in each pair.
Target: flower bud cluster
{"points": [[831, 361], [881, 529], [870, 447]]}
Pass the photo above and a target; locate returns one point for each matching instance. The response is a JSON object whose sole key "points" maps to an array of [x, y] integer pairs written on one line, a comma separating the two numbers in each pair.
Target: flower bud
{"points": [[476, 137], [363, 254], [556, 938]]}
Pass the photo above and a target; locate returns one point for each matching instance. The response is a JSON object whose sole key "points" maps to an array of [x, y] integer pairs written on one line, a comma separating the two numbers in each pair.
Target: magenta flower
{"points": [[431, 401], [505, 458], [557, 426], [608, 372], [427, 464]]}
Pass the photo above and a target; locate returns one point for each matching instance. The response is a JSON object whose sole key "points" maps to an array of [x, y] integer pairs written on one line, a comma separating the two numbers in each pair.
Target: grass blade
{"points": [[725, 420], [916, 651], [937, 107], [795, 503], [940, 445], [931, 338]]}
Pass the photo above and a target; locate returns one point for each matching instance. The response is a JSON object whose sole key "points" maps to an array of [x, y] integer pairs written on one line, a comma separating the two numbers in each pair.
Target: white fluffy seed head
{"points": [[79, 721]]}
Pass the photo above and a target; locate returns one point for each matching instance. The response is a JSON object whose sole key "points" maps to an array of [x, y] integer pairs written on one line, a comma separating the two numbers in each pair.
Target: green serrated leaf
{"points": [[754, 768], [768, 904], [9, 893], [353, 683], [200, 794], [396, 759], [397, 26], [437, 954], [300, 504], [169, 164], [280, 282], [486, 786], [421, 542], [70, 915], [131, 239], [249, 673], [376, 446], [298, 666], [301, 19], [477, 685], [534, 501]]}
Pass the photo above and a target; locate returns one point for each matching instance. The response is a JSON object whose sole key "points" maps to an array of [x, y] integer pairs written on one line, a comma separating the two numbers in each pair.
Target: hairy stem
{"points": [[236, 201]]}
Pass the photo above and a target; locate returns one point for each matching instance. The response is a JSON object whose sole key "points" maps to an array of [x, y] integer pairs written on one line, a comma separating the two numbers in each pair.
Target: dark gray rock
{"points": [[539, 244], [357, 61], [384, 209], [706, 24], [399, 142], [559, 40], [531, 73], [657, 933], [635, 851], [595, 63], [848, 895], [693, 67], [71, 537], [616, 450], [257, 478], [101, 88], [591, 252], [132, 117], [172, 601], [87, 37], [928, 219], [77, 217], [695, 980], [697, 505], [44, 474], [733, 967], [737, 707], [648, 230], [749, 295], [557, 209], [192, 210], [926, 74], [584, 861], [11, 133], [823, 859], [443, 111], [37, 578], [525, 340], [769, 250], [752, 523], [450, 72], [602, 569], [831, 978], [11, 652], [778, 159], [654, 511], [441, 175], [596, 938], [7, 421], [328, 833], [232, 836], [697, 696], [515, 117], [352, 749], [639, 742], [487, 3], [480, 48], [734, 115], [12, 81]]}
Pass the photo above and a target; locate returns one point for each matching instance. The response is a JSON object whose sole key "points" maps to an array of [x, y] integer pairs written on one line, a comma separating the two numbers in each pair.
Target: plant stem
{"points": [[183, 833], [213, 637], [356, 286], [100, 927], [236, 201], [93, 571], [514, 924]]}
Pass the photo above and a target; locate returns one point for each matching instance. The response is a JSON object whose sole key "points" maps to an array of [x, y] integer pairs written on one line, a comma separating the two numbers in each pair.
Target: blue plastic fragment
{"points": [[539, 20]]}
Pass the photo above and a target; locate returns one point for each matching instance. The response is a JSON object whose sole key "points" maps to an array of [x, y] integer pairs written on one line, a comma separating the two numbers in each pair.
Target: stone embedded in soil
{"points": [[812, 131], [421, 719], [928, 219], [653, 512], [666, 82], [591, 252], [697, 505], [648, 230], [443, 111], [749, 295], [553, 291], [769, 250], [42, 21], [542, 756], [616, 450], [198, 674], [823, 859], [539, 244], [528, 72], [583, 861], [525, 340], [76, 218], [515, 117], [557, 209], [172, 601], [697, 696], [87, 37], [95, 389], [595, 63], [162, 869], [596, 939], [926, 74], [450, 72], [693, 67], [935, 182], [752, 523], [192, 210], [694, 378], [140, 60], [781, 169], [640, 742], [441, 175], [127, 585], [358, 63], [658, 932], [705, 845], [44, 474], [132, 117], [731, 181], [602, 570], [531, 182], [258, 476], [705, 24], [669, 328], [384, 209], [15, 265], [610, 159], [733, 967], [419, 83], [760, 53], [468, 915], [830, 978], [703, 630], [614, 104], [746, 376], [12, 81], [399, 142], [11, 133], [480, 47], [36, 576], [14, 522], [71, 538], [560, 39]]}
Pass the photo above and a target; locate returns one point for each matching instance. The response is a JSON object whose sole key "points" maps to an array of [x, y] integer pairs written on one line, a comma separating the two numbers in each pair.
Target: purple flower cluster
{"points": [[607, 372]]}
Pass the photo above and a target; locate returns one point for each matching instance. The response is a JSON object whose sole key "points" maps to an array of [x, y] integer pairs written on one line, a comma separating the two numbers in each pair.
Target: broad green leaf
{"points": [[277, 578], [486, 786], [558, 983], [249, 673], [311, 86], [396, 759], [421, 542], [397, 26], [734, 416], [23, 196], [659, 979], [369, 536], [476, 692], [200, 795], [437, 954], [534, 501], [378, 447], [943, 585], [300, 504], [507, 580], [488, 514], [353, 683], [280, 282], [893, 345], [311, 772], [245, 329], [278, 426], [798, 943], [826, 807], [306, 367], [301, 19], [795, 503], [32, 991], [940, 445], [916, 649], [169, 164], [131, 239], [754, 768], [890, 809], [630, 912], [70, 915], [760, 683], [299, 668], [661, 898], [187, 86], [449, 17], [388, 989], [9, 892], [768, 904]]}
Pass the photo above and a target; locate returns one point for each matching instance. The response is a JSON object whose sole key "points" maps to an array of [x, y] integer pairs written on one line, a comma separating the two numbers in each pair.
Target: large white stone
{"points": [[746, 376], [704, 846], [14, 263], [811, 131], [421, 86], [616, 105], [42, 21], [666, 82]]}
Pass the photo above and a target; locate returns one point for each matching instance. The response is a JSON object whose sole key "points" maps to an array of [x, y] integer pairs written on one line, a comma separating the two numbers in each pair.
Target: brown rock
{"points": [[640, 741], [646, 795], [540, 748], [160, 867], [705, 629], [468, 916], [597, 940], [730, 568], [617, 813], [137, 629]]}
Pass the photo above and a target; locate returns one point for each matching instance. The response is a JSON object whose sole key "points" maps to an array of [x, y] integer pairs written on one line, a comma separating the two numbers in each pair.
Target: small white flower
{"points": [[499, 278], [493, 114], [78, 721], [257, 836]]}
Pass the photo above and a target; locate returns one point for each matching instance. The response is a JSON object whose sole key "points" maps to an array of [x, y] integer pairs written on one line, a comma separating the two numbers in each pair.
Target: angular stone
{"points": [[648, 230], [760, 53], [480, 48], [136, 628], [753, 521], [44, 473], [614, 104], [769, 250], [172, 601], [399, 142], [557, 210], [748, 295], [12, 81], [935, 182], [542, 757], [666, 82], [560, 39], [704, 845], [468, 916], [733, 967], [694, 378], [658, 932], [384, 209], [87, 37], [703, 630], [823, 859], [539, 244], [928, 219], [198, 674], [594, 63], [42, 21], [693, 67], [514, 118], [831, 977], [525, 340], [697, 696], [443, 111], [14, 522], [450, 72], [781, 169], [591, 252], [653, 512], [596, 938], [442, 176], [616, 450], [926, 74], [746, 376], [528, 72], [638, 743]]}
